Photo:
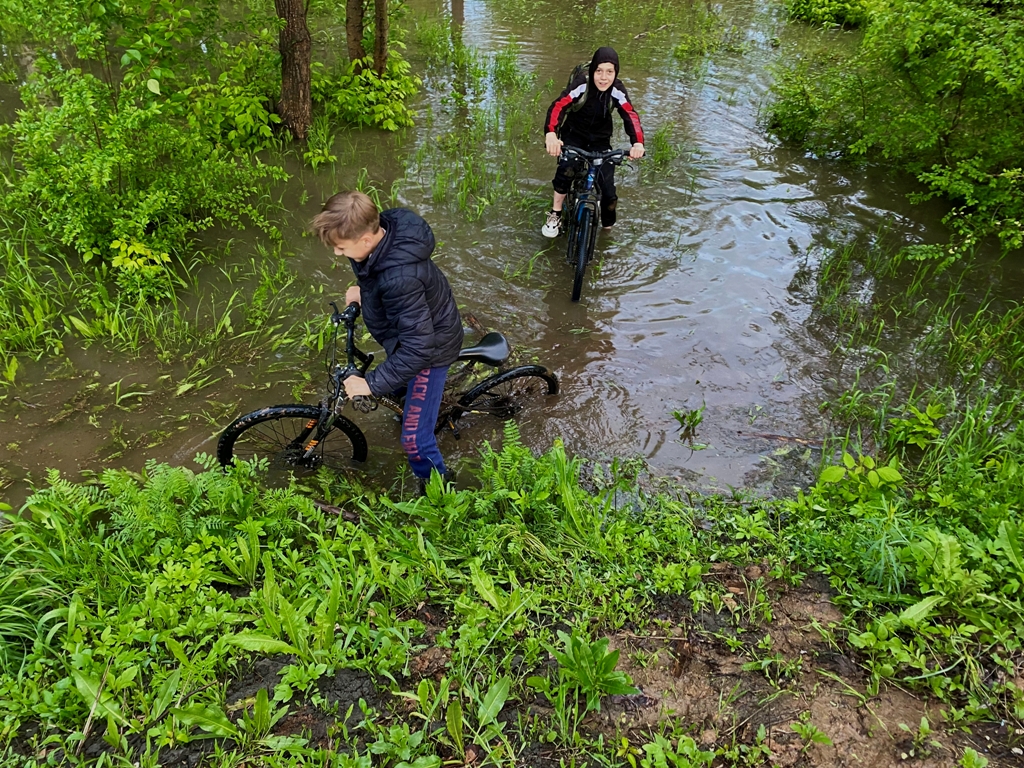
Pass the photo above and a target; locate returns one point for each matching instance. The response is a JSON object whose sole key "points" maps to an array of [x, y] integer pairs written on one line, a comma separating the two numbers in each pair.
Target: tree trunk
{"points": [[354, 29], [380, 36], [296, 107]]}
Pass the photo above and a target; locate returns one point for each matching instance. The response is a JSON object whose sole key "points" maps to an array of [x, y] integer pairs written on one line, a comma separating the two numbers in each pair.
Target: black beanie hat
{"points": [[601, 56]]}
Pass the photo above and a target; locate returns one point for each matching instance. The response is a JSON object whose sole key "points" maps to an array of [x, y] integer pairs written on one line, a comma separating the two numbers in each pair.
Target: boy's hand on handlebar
{"points": [[636, 151], [356, 386], [353, 295], [552, 144]]}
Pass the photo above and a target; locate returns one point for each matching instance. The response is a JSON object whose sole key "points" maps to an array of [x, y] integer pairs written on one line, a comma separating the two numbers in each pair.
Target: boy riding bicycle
{"points": [[408, 308], [582, 117]]}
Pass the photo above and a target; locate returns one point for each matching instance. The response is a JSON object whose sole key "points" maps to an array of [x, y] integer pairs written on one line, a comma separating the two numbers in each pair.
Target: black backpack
{"points": [[583, 68]]}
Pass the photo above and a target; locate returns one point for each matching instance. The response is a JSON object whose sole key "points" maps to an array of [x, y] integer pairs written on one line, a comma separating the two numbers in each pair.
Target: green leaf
{"points": [[493, 701], [153, 85], [81, 325], [919, 611], [453, 723], [538, 683], [89, 688], [832, 475], [890, 475], [178, 652], [485, 586], [251, 641], [619, 685], [295, 625], [1008, 540], [211, 719], [166, 693]]}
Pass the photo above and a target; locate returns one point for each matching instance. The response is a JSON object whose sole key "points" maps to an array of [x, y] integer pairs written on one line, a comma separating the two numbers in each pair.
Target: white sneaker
{"points": [[553, 225]]}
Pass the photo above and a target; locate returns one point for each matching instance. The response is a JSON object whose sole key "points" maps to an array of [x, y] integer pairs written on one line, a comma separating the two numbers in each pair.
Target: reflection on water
{"points": [[691, 300]]}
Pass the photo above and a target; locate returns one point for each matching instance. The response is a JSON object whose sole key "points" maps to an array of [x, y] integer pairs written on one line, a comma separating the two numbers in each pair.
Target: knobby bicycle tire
{"points": [[584, 242], [281, 434], [504, 394], [569, 214]]}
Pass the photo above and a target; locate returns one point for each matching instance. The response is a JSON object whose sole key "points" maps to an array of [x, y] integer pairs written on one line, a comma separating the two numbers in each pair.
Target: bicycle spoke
{"points": [[283, 440]]}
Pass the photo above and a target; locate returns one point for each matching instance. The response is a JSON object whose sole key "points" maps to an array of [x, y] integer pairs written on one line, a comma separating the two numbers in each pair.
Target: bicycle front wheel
{"points": [[282, 434], [584, 245], [506, 394]]}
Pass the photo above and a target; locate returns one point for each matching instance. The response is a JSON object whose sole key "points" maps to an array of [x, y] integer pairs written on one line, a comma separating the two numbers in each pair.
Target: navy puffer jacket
{"points": [[407, 303]]}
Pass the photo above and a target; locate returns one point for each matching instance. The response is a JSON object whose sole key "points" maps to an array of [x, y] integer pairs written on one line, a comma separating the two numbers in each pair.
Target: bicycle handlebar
{"points": [[348, 317], [613, 156]]}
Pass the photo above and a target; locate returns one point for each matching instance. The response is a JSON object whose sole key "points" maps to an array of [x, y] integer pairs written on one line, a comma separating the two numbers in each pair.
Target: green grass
{"points": [[137, 589], [122, 596]]}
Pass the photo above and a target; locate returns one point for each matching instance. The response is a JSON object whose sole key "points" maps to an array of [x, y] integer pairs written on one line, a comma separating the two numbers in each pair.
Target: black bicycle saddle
{"points": [[493, 349]]}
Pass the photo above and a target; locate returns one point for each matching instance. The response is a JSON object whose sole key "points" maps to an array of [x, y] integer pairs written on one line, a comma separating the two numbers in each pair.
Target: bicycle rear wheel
{"points": [[584, 244], [281, 434], [506, 394]]}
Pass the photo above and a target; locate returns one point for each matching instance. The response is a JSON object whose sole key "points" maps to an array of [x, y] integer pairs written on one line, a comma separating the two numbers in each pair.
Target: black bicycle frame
{"points": [[586, 194], [337, 374]]}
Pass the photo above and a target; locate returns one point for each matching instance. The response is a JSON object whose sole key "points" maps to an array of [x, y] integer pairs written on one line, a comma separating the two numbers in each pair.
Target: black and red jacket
{"points": [[590, 126]]}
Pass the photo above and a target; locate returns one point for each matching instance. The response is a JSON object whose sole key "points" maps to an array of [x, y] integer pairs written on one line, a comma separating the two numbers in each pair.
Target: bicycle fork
{"points": [[321, 426]]}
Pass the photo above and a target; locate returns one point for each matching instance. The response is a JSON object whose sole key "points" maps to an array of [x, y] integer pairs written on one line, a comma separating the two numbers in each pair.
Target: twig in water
{"points": [[642, 34]]}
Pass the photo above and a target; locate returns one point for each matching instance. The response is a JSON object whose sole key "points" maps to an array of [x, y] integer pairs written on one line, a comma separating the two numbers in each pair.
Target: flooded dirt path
{"points": [[693, 301]]}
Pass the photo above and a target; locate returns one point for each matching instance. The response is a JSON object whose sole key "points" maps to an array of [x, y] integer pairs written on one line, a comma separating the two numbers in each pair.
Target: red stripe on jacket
{"points": [[629, 115], [555, 114]]}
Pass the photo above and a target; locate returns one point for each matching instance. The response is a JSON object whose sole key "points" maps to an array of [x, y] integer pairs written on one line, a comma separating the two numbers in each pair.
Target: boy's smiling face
{"points": [[604, 76]]}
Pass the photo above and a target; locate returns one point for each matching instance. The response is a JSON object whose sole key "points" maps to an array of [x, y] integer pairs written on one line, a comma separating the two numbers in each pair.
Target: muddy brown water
{"points": [[693, 303]]}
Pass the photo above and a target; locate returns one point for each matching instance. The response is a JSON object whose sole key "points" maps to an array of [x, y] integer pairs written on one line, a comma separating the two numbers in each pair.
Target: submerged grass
{"points": [[44, 300], [481, 122]]}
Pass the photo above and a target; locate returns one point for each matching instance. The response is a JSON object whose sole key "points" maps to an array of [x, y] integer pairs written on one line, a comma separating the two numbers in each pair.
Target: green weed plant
{"points": [[122, 596]]}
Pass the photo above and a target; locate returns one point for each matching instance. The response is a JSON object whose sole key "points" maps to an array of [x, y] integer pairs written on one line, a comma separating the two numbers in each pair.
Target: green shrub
{"points": [[935, 89], [831, 12], [356, 94], [137, 129]]}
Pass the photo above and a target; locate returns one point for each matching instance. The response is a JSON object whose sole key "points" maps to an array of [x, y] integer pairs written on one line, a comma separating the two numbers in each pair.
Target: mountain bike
{"points": [[302, 437], [582, 208]]}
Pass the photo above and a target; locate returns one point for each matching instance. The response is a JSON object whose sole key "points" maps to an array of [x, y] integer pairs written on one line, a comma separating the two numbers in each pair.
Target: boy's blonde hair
{"points": [[346, 216]]}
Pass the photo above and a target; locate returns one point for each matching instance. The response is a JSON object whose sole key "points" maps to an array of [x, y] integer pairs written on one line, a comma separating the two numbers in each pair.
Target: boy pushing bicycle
{"points": [[408, 308], [582, 117]]}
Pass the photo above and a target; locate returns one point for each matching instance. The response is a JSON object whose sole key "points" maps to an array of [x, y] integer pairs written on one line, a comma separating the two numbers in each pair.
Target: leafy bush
{"points": [[97, 169], [935, 564], [934, 88], [110, 147], [356, 94], [831, 12]]}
